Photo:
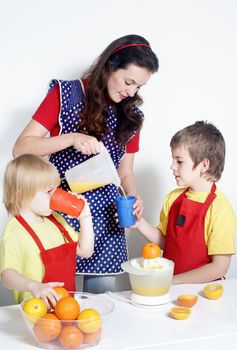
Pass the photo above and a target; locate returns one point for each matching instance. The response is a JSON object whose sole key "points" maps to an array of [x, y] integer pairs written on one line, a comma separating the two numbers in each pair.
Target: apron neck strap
{"points": [[61, 228], [212, 192], [212, 195], [213, 189], [34, 235], [30, 231]]}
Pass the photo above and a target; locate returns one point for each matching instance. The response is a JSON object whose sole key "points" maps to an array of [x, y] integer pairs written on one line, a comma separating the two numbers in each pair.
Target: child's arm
{"points": [[12, 279], [85, 246], [150, 232], [216, 269]]}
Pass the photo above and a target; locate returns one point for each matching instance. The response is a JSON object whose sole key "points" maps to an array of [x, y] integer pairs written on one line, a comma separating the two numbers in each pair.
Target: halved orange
{"points": [[187, 300], [180, 312], [213, 291]]}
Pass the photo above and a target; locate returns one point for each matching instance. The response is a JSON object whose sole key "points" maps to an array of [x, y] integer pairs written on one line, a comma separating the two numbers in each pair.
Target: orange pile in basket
{"points": [[66, 323]]}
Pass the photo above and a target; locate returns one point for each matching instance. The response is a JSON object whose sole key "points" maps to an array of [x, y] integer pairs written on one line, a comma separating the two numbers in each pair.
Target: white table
{"points": [[212, 324]]}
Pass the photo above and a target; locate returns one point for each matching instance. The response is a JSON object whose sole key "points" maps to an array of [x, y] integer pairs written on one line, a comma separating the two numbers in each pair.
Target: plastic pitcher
{"points": [[95, 172]]}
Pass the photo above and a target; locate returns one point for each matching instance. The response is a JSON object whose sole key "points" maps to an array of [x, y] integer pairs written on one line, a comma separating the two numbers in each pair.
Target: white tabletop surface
{"points": [[212, 324]]}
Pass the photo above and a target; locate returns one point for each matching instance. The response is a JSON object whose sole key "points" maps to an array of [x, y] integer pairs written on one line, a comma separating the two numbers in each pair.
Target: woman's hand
{"points": [[86, 144], [138, 208]]}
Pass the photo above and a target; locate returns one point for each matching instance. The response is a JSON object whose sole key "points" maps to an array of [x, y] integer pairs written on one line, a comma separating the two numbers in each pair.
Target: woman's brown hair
{"points": [[94, 115]]}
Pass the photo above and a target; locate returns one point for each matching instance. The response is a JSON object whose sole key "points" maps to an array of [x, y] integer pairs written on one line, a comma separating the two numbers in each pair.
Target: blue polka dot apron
{"points": [[110, 242]]}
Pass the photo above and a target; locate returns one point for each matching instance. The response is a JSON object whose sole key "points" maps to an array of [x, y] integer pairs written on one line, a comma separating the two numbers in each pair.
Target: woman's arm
{"points": [[216, 269], [126, 174], [33, 140], [128, 183]]}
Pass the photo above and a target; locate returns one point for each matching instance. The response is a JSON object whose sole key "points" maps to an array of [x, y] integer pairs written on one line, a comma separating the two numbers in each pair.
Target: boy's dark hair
{"points": [[203, 141]]}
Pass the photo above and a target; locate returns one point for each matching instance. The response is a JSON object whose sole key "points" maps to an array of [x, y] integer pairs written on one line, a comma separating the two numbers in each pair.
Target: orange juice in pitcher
{"points": [[80, 187], [95, 172]]}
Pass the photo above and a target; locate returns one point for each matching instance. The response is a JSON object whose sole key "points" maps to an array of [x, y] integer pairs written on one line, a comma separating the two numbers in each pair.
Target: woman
{"points": [[81, 113]]}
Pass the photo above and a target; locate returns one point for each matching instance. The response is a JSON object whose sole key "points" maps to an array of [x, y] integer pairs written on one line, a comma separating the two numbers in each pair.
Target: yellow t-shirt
{"points": [[18, 250], [220, 221]]}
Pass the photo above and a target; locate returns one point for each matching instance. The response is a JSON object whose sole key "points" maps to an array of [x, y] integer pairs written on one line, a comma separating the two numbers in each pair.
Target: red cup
{"points": [[66, 202]]}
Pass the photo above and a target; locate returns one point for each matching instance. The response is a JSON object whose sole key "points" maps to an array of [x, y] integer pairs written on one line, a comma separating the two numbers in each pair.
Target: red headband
{"points": [[129, 45]]}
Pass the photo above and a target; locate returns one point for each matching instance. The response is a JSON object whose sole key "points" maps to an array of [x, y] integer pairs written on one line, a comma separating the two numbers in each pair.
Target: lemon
{"points": [[89, 321], [213, 291], [180, 312], [34, 308]]}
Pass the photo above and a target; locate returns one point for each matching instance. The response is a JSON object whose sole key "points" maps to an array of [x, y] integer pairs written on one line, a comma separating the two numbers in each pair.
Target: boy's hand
{"points": [[46, 292], [135, 226], [86, 209]]}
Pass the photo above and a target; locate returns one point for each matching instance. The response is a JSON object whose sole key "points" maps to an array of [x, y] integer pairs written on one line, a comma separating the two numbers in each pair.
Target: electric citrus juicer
{"points": [[150, 279]]}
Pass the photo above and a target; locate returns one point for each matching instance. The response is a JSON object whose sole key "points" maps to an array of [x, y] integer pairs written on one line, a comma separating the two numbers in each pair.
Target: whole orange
{"points": [[67, 308], [92, 338], [151, 251], [89, 321], [71, 337], [47, 328], [34, 307], [62, 292]]}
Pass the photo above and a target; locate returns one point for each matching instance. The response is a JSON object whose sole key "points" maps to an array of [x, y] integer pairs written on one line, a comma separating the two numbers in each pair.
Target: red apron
{"points": [[185, 237], [59, 262]]}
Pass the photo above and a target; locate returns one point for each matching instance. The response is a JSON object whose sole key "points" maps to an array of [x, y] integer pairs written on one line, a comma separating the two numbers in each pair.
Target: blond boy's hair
{"points": [[24, 177]]}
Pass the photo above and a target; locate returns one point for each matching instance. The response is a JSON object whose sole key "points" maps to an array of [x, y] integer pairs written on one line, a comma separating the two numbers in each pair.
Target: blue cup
{"points": [[125, 210]]}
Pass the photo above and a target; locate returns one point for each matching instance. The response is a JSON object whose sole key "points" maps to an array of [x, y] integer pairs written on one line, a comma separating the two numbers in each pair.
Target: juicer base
{"points": [[146, 300]]}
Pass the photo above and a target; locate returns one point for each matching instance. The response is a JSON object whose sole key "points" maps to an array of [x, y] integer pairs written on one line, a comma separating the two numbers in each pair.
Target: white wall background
{"points": [[195, 41]]}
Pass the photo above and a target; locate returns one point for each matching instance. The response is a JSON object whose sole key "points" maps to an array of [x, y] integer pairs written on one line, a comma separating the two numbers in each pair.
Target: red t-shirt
{"points": [[50, 108]]}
